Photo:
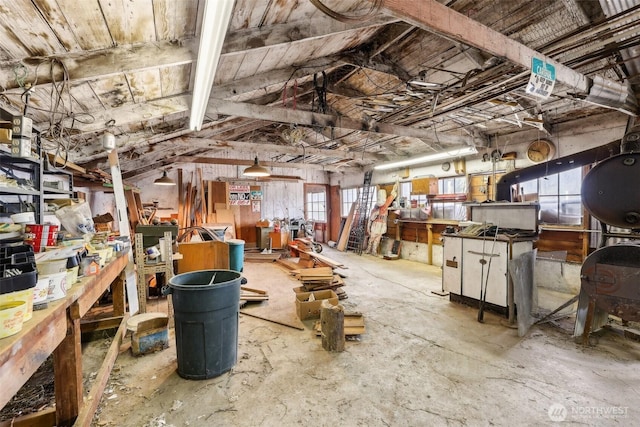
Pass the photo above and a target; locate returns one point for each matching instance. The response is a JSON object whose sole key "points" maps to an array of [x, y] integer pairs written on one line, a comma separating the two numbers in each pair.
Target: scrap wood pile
{"points": [[320, 278], [303, 248]]}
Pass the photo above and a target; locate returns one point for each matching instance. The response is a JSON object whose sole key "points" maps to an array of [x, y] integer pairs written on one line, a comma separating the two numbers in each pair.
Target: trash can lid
{"points": [[235, 242]]}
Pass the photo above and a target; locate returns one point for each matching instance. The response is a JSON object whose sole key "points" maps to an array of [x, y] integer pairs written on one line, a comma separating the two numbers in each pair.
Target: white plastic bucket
{"points": [[72, 276], [57, 286], [11, 318], [25, 295], [41, 291], [52, 266]]}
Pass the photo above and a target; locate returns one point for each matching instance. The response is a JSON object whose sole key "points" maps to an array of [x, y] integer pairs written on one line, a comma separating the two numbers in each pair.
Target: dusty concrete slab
{"points": [[423, 361]]}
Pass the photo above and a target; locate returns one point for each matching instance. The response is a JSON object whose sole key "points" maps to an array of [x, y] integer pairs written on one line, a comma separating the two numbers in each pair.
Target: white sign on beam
{"points": [[542, 80]]}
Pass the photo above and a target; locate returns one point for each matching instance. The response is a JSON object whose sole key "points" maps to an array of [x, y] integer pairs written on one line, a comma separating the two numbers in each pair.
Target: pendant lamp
{"points": [[256, 170], [164, 180]]}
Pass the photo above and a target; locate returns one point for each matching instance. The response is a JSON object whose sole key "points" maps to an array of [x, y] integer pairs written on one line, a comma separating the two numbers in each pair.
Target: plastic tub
{"points": [[57, 286], [236, 254], [11, 318], [51, 266], [41, 290], [25, 295], [72, 276], [206, 321]]}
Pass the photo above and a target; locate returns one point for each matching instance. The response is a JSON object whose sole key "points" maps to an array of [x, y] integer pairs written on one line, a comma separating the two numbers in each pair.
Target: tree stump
{"points": [[332, 326]]}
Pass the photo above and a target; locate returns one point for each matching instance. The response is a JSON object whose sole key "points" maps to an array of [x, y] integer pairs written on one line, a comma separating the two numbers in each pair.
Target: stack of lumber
{"points": [[320, 278]]}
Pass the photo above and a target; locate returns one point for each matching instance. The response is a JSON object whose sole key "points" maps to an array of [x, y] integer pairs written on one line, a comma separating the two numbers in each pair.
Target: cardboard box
{"points": [[308, 303]]}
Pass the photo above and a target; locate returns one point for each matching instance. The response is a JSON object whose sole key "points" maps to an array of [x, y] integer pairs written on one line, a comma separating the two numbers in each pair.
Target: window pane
{"points": [[570, 210], [405, 189], [570, 181], [529, 187], [549, 185], [549, 209]]}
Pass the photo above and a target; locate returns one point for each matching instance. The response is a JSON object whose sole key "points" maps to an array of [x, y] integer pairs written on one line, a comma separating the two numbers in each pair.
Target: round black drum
{"points": [[611, 191]]}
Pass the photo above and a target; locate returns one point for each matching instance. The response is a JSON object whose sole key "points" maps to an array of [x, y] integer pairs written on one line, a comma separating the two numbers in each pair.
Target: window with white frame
{"points": [[451, 209], [350, 195], [316, 204], [559, 197]]}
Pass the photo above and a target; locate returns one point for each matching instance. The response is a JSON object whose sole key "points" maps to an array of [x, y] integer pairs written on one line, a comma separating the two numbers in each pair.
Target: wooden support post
{"points": [[181, 221], [67, 362], [332, 326], [117, 291], [430, 244]]}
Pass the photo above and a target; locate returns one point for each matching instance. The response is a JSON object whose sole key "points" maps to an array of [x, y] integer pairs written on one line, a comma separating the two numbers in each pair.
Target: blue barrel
{"points": [[236, 254], [206, 306]]}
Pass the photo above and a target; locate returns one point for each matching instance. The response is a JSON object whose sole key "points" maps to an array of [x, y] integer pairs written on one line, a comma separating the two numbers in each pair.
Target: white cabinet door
{"points": [[474, 275], [452, 265]]}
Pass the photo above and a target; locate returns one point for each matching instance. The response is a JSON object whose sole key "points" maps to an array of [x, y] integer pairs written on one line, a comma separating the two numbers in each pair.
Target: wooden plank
{"points": [[288, 264], [93, 399], [85, 296], [132, 208], [59, 161], [100, 324], [128, 21], [44, 418], [67, 369], [325, 260], [203, 256], [353, 324], [346, 230]]}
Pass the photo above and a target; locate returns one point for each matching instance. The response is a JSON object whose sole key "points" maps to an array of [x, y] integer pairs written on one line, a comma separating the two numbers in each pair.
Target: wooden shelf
{"points": [[56, 330]]}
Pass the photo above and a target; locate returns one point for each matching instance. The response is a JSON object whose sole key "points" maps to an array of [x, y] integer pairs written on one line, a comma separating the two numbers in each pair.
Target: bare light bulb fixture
{"points": [[164, 180], [256, 170]]}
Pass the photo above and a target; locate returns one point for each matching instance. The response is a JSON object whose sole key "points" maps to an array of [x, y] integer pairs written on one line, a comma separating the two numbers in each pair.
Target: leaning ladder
{"points": [[360, 217]]}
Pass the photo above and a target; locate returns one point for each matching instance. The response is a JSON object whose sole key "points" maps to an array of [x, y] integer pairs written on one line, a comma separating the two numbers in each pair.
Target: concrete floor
{"points": [[423, 361]]}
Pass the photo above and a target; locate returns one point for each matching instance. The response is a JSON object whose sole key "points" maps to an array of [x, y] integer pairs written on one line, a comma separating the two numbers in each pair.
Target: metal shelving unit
{"points": [[27, 196]]}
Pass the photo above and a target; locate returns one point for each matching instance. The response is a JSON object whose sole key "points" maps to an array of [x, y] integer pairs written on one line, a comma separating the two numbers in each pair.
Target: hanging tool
{"points": [[483, 261], [483, 293]]}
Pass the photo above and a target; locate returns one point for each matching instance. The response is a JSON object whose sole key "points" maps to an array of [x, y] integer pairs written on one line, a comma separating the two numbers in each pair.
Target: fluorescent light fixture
{"points": [[215, 21], [458, 152], [256, 170], [423, 83], [164, 180]]}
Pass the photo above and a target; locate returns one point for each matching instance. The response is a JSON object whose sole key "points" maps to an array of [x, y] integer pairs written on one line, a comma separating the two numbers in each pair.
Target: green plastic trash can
{"points": [[206, 319], [236, 254]]}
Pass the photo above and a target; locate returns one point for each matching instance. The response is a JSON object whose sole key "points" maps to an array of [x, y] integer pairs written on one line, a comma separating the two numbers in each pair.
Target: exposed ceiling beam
{"points": [[308, 118], [189, 146], [245, 162], [303, 30], [281, 149], [175, 107], [435, 17], [131, 58], [101, 63]]}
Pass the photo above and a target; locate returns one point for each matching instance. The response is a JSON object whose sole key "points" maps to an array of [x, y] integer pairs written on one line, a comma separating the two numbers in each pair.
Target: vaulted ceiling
{"points": [[377, 80]]}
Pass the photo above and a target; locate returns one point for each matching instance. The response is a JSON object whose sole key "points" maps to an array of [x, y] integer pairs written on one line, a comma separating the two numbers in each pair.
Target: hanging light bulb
{"points": [[256, 170], [164, 180]]}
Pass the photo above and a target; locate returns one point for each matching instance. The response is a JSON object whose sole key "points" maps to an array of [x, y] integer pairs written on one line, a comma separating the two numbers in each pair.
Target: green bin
{"points": [[236, 254], [206, 319]]}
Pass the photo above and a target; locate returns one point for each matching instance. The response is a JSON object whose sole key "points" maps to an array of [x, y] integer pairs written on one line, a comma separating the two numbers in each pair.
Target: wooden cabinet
{"points": [[279, 239], [427, 186]]}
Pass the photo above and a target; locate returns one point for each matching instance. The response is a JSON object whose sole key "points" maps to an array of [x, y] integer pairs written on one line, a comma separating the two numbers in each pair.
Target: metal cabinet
{"points": [[463, 273]]}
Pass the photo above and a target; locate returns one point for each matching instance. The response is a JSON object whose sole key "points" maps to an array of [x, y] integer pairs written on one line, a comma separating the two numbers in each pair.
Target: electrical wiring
{"points": [[371, 13]]}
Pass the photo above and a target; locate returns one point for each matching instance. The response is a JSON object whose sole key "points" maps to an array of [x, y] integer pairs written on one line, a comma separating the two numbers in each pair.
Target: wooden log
{"points": [[332, 326]]}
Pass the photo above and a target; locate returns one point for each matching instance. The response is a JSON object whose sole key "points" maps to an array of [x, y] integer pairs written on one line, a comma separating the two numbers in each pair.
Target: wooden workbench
{"points": [[56, 330]]}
